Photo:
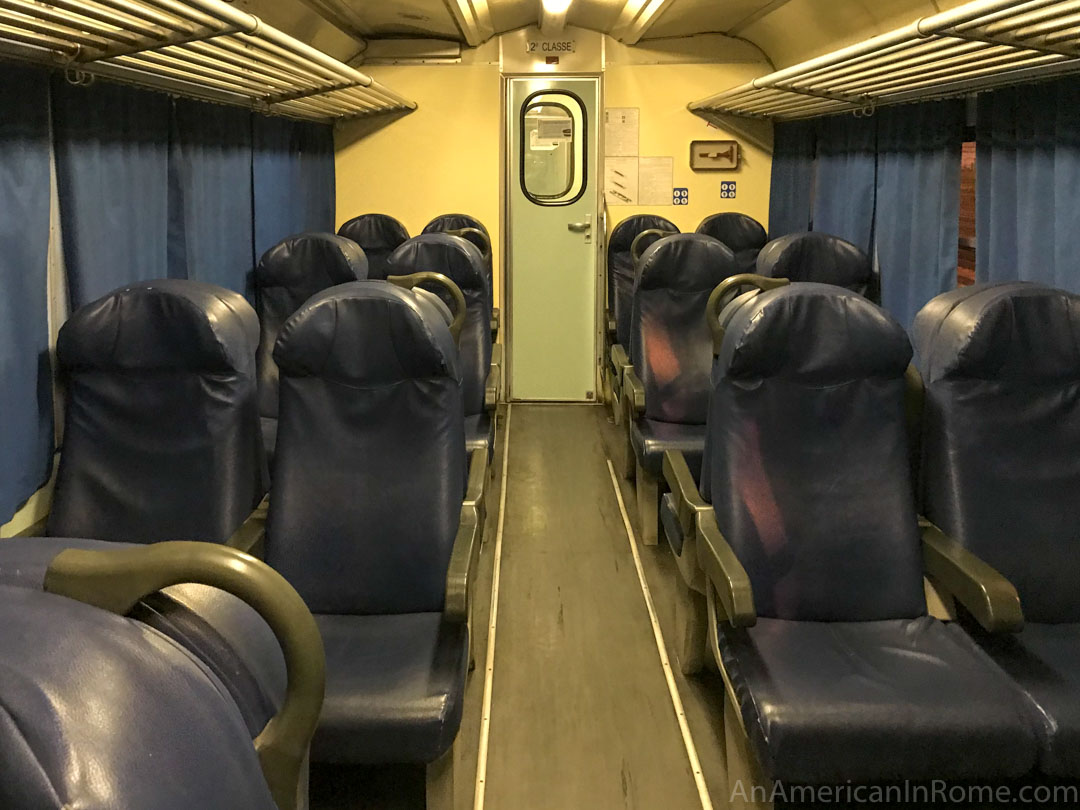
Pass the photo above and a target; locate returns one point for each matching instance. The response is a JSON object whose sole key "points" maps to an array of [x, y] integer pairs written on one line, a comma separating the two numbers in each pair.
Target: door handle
{"points": [[579, 227]]}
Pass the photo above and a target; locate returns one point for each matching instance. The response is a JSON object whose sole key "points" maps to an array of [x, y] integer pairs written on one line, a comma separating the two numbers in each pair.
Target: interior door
{"points": [[552, 195]]}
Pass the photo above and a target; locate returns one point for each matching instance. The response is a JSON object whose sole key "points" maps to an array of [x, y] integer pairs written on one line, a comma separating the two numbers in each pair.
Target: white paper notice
{"points": [[654, 180], [621, 131], [621, 181]]}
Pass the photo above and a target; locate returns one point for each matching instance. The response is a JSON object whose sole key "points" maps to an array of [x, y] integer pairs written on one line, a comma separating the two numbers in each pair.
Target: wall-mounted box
{"points": [[714, 156]]}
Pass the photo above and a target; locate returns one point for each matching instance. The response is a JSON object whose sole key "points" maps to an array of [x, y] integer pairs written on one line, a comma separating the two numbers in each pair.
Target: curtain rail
{"points": [[199, 48], [978, 45]]}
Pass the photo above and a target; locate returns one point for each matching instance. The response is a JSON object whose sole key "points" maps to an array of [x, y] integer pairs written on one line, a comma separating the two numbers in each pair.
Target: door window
{"points": [[553, 167]]}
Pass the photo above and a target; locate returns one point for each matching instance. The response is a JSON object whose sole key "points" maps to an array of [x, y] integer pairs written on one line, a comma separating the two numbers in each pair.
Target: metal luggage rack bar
{"points": [[976, 46], [199, 48]]}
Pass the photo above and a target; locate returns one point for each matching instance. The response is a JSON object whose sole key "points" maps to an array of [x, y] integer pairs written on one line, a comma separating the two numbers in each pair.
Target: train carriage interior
{"points": [[539, 404]]}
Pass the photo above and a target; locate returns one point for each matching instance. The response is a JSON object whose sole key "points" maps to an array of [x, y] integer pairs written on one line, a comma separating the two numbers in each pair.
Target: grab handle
{"points": [[651, 232], [718, 299], [117, 580], [425, 277]]}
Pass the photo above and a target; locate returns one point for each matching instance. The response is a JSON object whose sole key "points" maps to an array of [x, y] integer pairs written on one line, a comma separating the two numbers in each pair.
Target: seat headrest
{"points": [[816, 334], [169, 324], [456, 258], [817, 257], [737, 231], [1016, 330], [295, 261], [453, 222], [374, 231], [622, 237], [689, 262], [367, 333]]}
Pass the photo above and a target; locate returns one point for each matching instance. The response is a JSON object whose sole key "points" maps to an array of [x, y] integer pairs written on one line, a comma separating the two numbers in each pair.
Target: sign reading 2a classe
{"points": [[550, 47]]}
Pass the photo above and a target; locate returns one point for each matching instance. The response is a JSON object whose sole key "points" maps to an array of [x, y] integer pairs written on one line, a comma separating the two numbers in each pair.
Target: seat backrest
{"points": [[455, 222], [738, 231], [378, 235], [620, 267], [370, 466], [807, 450], [670, 342], [1001, 434], [162, 437], [818, 257], [461, 262], [99, 711], [288, 274]]}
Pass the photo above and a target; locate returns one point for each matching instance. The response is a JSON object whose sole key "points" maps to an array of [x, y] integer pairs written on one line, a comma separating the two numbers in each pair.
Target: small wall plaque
{"points": [[714, 156]]}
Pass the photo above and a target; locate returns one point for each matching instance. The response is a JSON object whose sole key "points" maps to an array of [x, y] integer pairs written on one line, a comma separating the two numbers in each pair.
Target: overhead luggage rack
{"points": [[976, 46], [200, 48]]}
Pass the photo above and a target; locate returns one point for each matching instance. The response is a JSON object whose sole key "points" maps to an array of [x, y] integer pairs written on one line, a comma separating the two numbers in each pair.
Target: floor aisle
{"points": [[581, 717]]}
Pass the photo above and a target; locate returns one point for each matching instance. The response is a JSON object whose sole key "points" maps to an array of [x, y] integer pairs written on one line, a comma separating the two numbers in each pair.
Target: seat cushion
{"points": [[479, 432], [395, 685], [651, 439], [828, 702], [1044, 661]]}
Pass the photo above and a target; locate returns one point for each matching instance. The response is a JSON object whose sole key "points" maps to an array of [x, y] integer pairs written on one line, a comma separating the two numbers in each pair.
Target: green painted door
{"points": [[552, 195]]}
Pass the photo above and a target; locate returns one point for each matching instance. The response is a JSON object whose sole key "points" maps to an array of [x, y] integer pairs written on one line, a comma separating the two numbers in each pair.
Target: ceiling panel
{"points": [[599, 15], [506, 15], [687, 17]]}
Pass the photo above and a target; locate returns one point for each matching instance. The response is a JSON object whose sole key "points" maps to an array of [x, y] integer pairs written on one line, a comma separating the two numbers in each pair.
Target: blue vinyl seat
{"points": [[162, 436], [740, 232], [666, 391], [449, 223], [368, 520], [288, 274], [461, 262], [378, 235], [1001, 474], [809, 541], [819, 257]]}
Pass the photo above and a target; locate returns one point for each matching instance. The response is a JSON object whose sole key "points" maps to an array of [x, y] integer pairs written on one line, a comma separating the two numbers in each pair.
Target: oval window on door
{"points": [[553, 148]]}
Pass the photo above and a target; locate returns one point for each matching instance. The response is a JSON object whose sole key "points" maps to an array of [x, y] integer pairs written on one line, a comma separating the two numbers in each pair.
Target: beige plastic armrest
{"points": [[633, 395], [986, 594], [252, 531], [726, 574], [688, 500], [460, 574], [474, 489], [491, 388], [495, 322], [619, 358], [35, 529], [117, 580]]}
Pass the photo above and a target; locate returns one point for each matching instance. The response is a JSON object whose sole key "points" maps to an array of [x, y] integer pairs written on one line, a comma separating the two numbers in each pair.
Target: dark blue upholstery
{"points": [[461, 262], [670, 341], [818, 257], [98, 711], [669, 522], [740, 232], [225, 633], [1001, 473], [620, 268], [651, 438], [843, 677], [394, 687], [829, 702], [455, 222], [378, 235], [161, 436], [367, 499], [288, 274]]}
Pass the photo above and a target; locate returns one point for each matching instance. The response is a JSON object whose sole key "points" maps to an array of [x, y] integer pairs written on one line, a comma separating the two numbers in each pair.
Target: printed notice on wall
{"points": [[654, 180], [621, 180], [621, 131]]}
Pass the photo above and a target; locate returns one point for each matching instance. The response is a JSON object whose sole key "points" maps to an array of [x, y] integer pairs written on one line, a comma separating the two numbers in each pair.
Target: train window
{"points": [[553, 148]]}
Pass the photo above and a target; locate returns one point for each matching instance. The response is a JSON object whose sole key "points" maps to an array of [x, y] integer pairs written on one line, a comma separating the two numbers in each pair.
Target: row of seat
{"points": [[659, 379], [375, 515], [836, 476]]}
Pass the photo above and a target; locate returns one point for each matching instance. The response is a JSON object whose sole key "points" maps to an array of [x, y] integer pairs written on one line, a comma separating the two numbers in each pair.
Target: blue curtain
{"points": [[845, 178], [210, 210], [112, 162], [26, 440], [293, 176], [792, 185], [1027, 162], [916, 227]]}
